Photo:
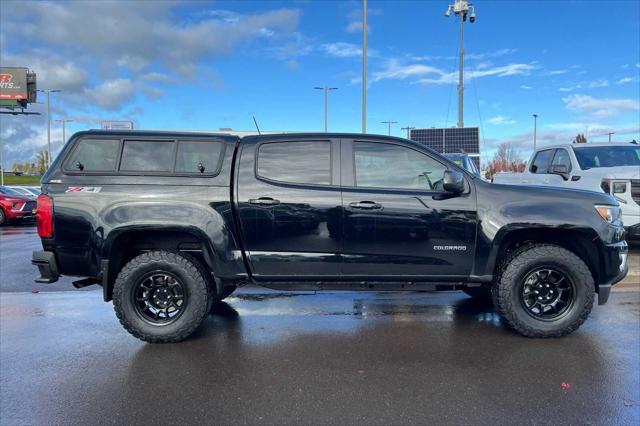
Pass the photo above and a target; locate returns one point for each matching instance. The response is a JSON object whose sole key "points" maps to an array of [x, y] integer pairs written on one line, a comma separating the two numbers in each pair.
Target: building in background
{"points": [[451, 140]]}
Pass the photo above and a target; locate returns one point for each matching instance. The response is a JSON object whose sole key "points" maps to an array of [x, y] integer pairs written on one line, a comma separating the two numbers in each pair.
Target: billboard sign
{"points": [[117, 125], [13, 84]]}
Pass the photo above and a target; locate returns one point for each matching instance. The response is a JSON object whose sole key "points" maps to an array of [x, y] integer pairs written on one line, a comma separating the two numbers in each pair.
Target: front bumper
{"points": [[615, 268], [47, 266], [632, 233]]}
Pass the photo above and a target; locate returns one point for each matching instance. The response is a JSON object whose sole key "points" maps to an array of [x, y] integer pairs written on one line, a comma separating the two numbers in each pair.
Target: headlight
{"points": [[619, 187], [610, 214]]}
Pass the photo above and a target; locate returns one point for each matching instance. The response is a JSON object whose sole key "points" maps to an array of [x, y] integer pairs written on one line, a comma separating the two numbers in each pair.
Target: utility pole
{"points": [[389, 123], [64, 121], [364, 66], [462, 9], [408, 129], [535, 131], [48, 92], [326, 104], [610, 133]]}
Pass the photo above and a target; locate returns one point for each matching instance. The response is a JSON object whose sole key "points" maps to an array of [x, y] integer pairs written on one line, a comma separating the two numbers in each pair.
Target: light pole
{"points": [[408, 129], [64, 121], [48, 92], [610, 133], [462, 9], [389, 123], [1, 163], [364, 66], [535, 131], [326, 103]]}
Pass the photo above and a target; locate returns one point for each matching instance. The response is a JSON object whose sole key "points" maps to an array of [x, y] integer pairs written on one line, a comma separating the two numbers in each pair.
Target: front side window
{"points": [[541, 161], [296, 162], [381, 165], [561, 158], [94, 155], [147, 156], [198, 156]]}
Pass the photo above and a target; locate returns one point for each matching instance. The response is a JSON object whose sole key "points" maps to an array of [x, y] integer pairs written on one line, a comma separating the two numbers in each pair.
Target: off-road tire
{"points": [[481, 294], [193, 277], [511, 275]]}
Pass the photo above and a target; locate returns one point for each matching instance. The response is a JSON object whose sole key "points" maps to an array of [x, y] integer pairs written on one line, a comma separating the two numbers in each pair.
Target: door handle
{"points": [[264, 201], [365, 205]]}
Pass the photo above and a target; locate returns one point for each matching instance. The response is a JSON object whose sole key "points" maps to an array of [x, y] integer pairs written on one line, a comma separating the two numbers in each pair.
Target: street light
{"points": [[389, 123], [48, 92], [64, 121], [326, 103], [535, 130], [462, 9], [611, 133], [408, 129], [364, 66]]}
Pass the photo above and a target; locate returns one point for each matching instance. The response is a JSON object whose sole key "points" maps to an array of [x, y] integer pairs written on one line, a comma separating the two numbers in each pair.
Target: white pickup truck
{"points": [[610, 167]]}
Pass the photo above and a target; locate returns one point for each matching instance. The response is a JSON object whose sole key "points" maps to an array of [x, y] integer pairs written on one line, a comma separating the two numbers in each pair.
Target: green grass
{"points": [[22, 180]]}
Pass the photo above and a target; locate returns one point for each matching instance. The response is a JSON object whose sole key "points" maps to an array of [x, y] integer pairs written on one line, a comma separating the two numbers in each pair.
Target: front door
{"points": [[288, 202], [397, 219]]}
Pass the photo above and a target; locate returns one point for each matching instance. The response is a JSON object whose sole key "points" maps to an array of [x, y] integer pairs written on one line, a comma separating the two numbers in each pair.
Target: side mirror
{"points": [[453, 181], [561, 170]]}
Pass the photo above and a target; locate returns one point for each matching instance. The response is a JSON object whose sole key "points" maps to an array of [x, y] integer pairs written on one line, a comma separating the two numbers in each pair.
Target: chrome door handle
{"points": [[264, 201], [365, 205]]}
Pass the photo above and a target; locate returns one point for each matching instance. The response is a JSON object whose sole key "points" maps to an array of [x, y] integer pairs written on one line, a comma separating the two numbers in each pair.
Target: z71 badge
{"points": [[84, 189]]}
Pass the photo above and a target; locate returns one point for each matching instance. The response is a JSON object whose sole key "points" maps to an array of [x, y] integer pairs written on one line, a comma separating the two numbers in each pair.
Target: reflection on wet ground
{"points": [[267, 357]]}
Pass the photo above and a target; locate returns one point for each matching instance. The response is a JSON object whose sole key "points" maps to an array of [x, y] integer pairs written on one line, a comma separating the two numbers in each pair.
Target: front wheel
{"points": [[162, 296], [544, 291], [3, 218]]}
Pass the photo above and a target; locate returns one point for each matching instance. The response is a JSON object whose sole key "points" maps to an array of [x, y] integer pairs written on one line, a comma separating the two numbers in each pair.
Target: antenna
{"points": [[256, 123]]}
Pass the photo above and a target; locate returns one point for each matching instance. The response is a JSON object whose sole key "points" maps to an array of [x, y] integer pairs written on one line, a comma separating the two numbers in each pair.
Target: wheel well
{"points": [[128, 245], [575, 241]]}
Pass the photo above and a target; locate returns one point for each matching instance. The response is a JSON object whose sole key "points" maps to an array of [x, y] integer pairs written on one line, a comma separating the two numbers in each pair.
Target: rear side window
{"points": [[198, 156], [296, 162], [147, 156], [541, 162], [94, 155]]}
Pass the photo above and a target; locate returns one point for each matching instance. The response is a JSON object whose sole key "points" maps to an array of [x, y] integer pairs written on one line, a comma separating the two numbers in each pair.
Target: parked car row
{"points": [[17, 204]]}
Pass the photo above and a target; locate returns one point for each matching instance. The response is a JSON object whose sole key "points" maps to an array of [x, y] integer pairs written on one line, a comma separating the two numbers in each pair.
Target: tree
{"points": [[42, 160], [506, 159]]}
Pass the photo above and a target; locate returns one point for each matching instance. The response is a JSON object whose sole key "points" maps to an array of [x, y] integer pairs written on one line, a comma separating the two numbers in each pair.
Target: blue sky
{"points": [[202, 66]]}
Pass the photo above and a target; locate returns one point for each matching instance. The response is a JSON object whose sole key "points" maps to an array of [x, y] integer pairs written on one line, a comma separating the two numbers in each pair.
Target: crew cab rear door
{"points": [[398, 223], [288, 206]]}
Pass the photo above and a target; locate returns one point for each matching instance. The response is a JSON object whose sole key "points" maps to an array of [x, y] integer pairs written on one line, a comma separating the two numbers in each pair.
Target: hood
{"points": [[10, 197], [596, 196], [618, 172]]}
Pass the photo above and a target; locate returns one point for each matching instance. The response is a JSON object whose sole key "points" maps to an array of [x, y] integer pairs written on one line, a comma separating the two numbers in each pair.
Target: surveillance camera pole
{"points": [[461, 8]]}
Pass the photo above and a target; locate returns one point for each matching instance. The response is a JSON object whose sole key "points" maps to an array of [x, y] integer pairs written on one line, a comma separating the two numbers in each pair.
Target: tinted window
{"points": [[562, 159], [147, 156], [196, 155], [542, 161], [607, 156], [94, 155], [382, 165], [296, 162]]}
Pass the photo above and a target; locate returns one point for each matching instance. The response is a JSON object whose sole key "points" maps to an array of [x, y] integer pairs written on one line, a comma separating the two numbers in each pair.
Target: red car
{"points": [[15, 207]]}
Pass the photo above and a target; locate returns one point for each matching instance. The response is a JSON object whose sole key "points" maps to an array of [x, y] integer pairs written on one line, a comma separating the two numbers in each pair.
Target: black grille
{"points": [[28, 206], [635, 190]]}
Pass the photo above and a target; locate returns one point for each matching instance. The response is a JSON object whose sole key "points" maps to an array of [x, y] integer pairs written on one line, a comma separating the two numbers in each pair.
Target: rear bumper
{"points": [[616, 267], [47, 266]]}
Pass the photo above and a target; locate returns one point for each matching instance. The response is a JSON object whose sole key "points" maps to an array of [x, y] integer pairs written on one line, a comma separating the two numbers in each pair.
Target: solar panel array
{"points": [[449, 140]]}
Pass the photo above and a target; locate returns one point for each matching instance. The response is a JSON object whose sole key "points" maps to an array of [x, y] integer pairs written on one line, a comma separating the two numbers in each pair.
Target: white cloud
{"points": [[112, 94], [500, 120], [558, 72], [600, 107], [492, 54], [625, 80], [345, 50], [598, 83], [525, 87]]}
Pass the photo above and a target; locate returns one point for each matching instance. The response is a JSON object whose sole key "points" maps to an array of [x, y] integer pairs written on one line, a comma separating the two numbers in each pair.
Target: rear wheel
{"points": [[162, 296], [544, 291]]}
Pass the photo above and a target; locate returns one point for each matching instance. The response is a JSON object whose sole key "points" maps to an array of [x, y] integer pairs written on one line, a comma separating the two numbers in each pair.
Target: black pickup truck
{"points": [[169, 223]]}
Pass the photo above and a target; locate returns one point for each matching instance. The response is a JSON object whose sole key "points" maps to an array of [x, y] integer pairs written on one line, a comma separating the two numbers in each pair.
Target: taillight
{"points": [[44, 216]]}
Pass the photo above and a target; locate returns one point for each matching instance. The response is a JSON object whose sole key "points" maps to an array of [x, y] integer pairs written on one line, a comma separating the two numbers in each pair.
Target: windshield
{"points": [[607, 156]]}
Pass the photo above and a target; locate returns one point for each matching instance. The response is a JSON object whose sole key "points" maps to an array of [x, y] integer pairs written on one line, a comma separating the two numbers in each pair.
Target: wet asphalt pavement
{"points": [[268, 357]]}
